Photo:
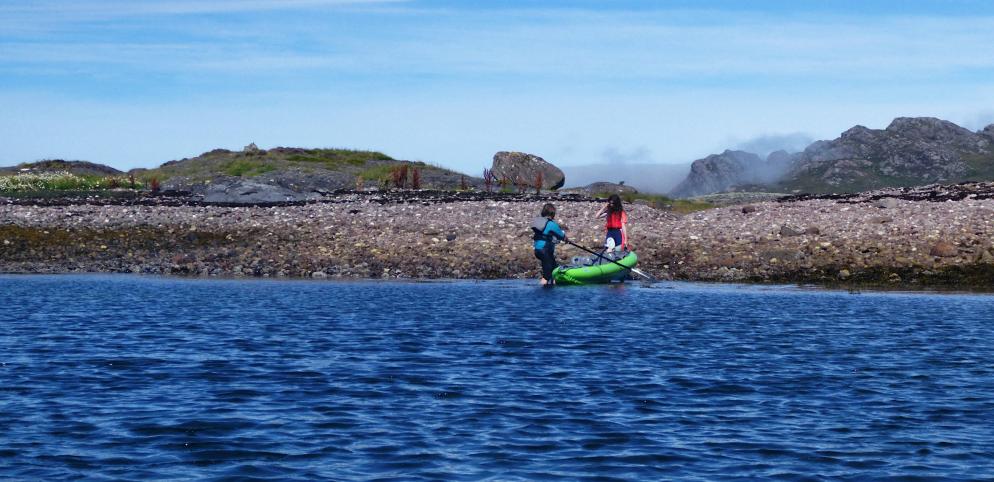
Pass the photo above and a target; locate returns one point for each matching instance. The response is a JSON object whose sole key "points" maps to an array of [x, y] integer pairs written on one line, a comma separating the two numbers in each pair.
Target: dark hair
{"points": [[614, 203], [548, 211]]}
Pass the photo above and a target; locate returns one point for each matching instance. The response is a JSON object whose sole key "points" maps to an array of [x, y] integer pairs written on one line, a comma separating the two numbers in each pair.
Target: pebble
{"points": [[330, 238]]}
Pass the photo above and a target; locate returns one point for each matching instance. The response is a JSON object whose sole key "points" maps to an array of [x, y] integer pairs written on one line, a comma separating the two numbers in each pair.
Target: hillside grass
{"points": [[247, 168], [812, 182], [249, 164], [981, 167], [383, 172], [333, 159]]}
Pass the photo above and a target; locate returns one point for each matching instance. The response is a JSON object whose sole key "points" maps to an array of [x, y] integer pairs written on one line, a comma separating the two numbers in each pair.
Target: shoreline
{"points": [[900, 238]]}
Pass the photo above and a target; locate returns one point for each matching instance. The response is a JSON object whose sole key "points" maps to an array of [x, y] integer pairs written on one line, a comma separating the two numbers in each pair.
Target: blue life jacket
{"points": [[545, 230]]}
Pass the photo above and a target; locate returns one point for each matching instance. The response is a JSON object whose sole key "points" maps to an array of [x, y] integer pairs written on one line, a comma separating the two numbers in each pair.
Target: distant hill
{"points": [[646, 177], [909, 152], [79, 168], [722, 172], [296, 169]]}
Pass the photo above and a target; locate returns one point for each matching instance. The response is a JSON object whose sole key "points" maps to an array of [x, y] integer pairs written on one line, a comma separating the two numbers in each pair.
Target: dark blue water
{"points": [[147, 378]]}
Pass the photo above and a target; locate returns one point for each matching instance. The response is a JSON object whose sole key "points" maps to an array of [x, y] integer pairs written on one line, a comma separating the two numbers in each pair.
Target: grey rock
{"points": [[718, 172], [909, 152], [788, 230], [886, 203], [749, 208], [251, 192], [523, 167]]}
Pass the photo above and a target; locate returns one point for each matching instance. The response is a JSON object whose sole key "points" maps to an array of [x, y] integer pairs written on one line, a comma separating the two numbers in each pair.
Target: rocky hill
{"points": [[723, 172], [909, 152], [79, 168], [291, 173]]}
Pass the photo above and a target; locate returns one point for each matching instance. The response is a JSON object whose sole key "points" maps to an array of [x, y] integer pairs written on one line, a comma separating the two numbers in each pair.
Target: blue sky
{"points": [[137, 83]]}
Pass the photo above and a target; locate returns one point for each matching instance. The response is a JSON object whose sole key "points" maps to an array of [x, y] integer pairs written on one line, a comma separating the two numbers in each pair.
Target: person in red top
{"points": [[616, 221]]}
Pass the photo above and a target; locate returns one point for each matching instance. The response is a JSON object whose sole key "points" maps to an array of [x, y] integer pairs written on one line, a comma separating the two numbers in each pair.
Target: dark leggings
{"points": [[548, 257], [613, 234]]}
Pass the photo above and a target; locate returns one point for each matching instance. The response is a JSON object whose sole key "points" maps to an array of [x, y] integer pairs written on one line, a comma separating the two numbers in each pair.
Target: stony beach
{"points": [[931, 236]]}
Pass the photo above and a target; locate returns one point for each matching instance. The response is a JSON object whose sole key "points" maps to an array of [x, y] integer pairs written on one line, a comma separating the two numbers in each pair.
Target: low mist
{"points": [[635, 167], [648, 178], [766, 144]]}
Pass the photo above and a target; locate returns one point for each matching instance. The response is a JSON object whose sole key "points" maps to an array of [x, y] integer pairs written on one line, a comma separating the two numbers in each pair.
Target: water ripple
{"points": [[145, 378]]}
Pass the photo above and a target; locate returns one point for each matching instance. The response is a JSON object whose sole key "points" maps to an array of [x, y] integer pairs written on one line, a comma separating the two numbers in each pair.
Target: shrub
{"points": [[415, 178], [520, 184], [489, 179], [538, 183], [399, 174], [154, 185]]}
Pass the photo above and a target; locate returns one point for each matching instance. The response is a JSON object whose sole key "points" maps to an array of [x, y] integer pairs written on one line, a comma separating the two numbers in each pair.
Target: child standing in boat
{"points": [[546, 233], [615, 224]]}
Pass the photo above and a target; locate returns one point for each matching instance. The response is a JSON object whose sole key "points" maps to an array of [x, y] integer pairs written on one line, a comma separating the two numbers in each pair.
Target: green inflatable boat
{"points": [[595, 269]]}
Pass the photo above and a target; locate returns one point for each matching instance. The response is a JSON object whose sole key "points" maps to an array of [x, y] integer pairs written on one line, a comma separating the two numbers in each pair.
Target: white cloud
{"points": [[608, 47], [454, 87], [90, 9]]}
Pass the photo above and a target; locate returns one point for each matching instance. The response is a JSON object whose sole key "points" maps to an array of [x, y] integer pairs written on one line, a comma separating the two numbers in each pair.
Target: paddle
{"points": [[639, 272]]}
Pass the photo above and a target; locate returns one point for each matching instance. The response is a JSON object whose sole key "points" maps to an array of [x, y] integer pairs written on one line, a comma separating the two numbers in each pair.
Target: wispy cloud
{"points": [[568, 45], [679, 83], [90, 9]]}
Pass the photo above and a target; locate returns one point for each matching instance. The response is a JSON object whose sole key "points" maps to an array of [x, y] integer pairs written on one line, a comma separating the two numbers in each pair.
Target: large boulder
{"points": [[523, 167]]}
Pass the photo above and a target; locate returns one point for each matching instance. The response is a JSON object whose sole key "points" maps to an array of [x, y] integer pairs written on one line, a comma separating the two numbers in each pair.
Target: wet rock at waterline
{"points": [[937, 236]]}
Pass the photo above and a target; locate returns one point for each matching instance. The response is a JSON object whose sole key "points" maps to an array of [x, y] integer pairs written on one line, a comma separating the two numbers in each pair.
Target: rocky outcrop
{"points": [[909, 152], [241, 191], [720, 172], [526, 168]]}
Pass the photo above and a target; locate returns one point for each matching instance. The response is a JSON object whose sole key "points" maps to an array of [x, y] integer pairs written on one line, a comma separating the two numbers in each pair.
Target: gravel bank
{"points": [[899, 237]]}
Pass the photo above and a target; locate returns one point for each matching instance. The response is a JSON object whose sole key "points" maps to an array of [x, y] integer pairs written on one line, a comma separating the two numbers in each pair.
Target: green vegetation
{"points": [[249, 164], [334, 158], [379, 173], [981, 167], [247, 168], [59, 181], [854, 180]]}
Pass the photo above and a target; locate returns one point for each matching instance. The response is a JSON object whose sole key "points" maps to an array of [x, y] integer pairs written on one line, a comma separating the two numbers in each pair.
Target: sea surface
{"points": [[139, 378]]}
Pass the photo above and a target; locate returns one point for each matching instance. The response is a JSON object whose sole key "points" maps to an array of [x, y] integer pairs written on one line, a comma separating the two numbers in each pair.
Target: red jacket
{"points": [[616, 219]]}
